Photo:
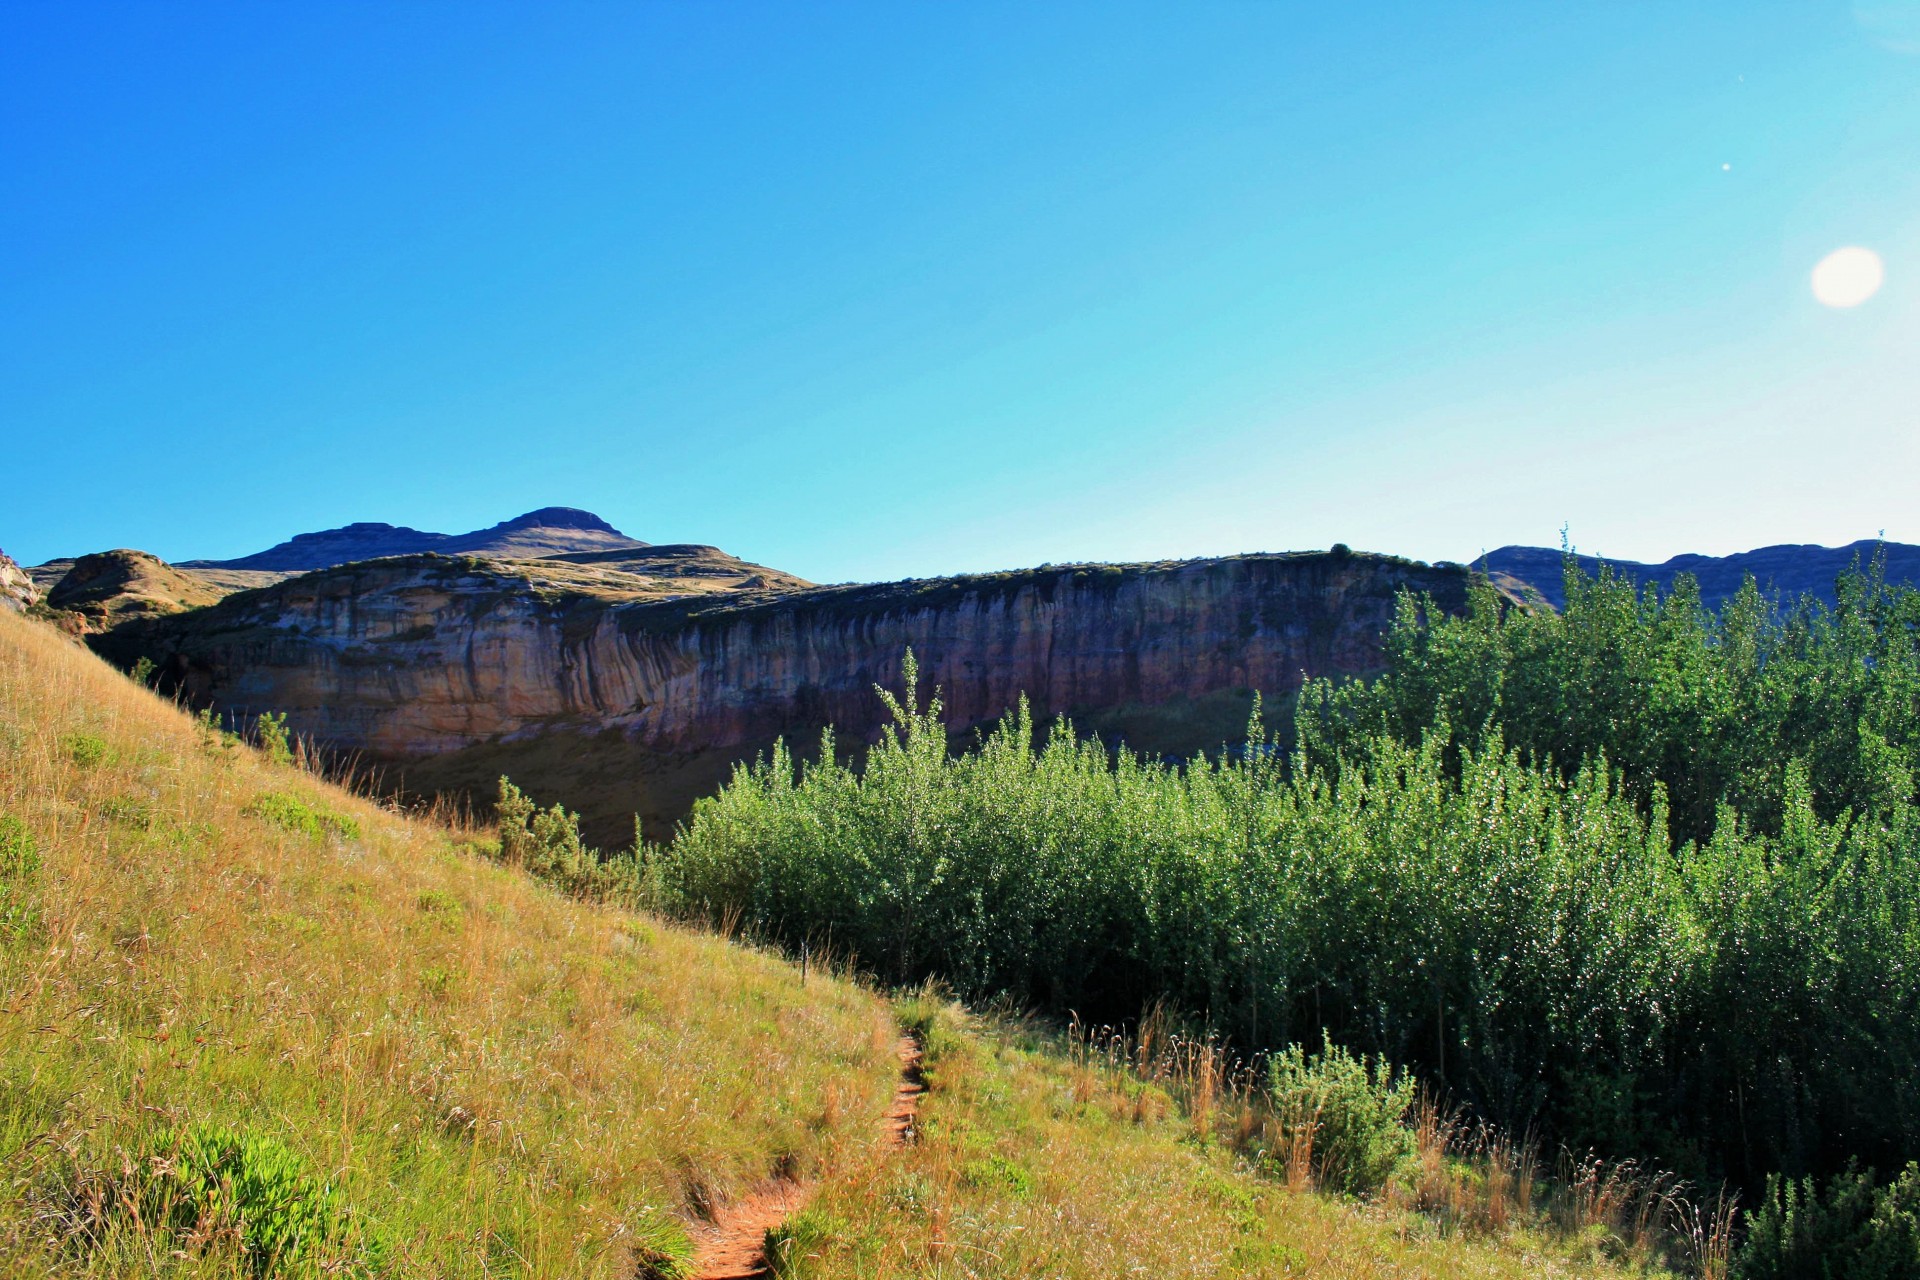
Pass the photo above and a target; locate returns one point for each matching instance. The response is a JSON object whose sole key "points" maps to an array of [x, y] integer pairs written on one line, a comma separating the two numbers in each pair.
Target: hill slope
{"points": [[109, 587], [456, 1072], [494, 1073]]}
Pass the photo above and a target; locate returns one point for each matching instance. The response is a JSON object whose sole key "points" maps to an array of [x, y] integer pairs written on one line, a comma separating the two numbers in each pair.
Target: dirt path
{"points": [[734, 1246]]}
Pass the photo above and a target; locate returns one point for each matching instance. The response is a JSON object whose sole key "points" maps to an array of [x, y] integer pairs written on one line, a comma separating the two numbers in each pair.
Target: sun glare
{"points": [[1848, 277]]}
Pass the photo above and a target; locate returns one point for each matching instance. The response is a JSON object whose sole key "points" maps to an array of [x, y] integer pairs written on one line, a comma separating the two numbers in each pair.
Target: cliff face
{"points": [[453, 671], [18, 591]]}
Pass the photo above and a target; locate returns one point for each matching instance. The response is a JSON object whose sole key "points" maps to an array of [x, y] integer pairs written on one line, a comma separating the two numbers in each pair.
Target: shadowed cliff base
{"points": [[611, 781]]}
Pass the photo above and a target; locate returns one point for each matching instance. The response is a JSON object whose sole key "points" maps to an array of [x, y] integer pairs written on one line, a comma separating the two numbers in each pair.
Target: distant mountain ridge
{"points": [[1789, 569], [548, 531]]}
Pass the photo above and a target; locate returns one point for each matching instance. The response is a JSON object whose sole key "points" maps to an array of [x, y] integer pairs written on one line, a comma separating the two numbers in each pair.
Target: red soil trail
{"points": [[902, 1121], [734, 1246]]}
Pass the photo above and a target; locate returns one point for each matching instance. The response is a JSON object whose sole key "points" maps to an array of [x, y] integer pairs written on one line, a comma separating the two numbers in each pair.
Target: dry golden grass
{"points": [[501, 1081], [1032, 1163]]}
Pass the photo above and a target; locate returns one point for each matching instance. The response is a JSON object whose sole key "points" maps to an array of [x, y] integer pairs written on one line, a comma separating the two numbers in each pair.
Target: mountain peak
{"points": [[543, 532], [558, 518]]}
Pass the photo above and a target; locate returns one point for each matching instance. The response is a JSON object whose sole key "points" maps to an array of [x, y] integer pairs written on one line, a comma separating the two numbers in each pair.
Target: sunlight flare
{"points": [[1848, 277]]}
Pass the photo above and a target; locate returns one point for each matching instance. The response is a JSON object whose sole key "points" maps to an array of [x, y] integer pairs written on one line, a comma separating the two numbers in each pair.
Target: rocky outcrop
{"points": [[450, 671], [110, 587], [18, 591]]}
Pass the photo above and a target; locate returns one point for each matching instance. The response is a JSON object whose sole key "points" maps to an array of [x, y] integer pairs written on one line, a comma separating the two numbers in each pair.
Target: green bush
{"points": [[86, 750], [546, 844], [294, 813], [1354, 1108], [275, 741], [215, 741], [211, 1183], [1701, 708], [19, 870], [997, 1173], [1854, 1231], [439, 905]]}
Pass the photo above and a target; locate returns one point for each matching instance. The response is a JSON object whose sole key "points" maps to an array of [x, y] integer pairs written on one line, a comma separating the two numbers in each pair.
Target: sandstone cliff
{"points": [[450, 671]]}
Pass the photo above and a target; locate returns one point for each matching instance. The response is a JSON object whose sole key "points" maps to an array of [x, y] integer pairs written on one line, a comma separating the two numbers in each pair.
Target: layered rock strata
{"points": [[444, 672]]}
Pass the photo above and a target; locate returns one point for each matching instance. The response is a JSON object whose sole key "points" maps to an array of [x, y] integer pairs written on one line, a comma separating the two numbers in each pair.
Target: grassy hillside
{"points": [[420, 1063], [498, 1081], [1037, 1159]]}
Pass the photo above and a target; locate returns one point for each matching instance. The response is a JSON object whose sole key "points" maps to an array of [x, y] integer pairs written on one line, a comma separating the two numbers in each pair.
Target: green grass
{"points": [[1032, 1164]]}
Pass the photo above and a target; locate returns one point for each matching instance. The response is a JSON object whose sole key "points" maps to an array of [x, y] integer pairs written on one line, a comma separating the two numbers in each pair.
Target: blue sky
{"points": [[875, 291]]}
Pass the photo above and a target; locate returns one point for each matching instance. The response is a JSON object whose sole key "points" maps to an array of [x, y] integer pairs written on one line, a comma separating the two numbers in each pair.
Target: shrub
{"points": [[209, 1183], [1703, 707], [275, 741], [441, 906], [214, 740], [1853, 1231], [546, 844], [1353, 1111], [997, 1173], [1637, 878], [1230, 1195], [293, 813], [86, 750], [19, 869]]}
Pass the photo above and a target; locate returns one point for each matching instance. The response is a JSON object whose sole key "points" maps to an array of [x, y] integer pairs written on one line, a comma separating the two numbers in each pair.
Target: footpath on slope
{"points": [[734, 1246]]}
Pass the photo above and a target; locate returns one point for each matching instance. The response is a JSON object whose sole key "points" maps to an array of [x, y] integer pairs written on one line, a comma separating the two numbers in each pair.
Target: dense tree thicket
{"points": [[1715, 707], [1639, 876]]}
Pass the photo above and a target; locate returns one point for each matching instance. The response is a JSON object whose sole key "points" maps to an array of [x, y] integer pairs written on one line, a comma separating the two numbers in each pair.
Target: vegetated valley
{"points": [[256, 1025], [1514, 940], [1637, 879]]}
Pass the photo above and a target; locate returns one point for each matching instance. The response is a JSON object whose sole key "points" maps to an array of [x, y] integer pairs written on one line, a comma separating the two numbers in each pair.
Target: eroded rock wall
{"points": [[455, 670]]}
